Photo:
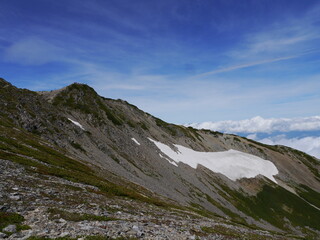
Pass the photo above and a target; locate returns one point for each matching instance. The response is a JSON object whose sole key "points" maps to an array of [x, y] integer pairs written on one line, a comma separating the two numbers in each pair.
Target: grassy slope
{"points": [[25, 148], [274, 204]]}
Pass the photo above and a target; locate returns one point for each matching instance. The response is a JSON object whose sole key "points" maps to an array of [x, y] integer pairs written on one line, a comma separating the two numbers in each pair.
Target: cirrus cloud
{"points": [[32, 51]]}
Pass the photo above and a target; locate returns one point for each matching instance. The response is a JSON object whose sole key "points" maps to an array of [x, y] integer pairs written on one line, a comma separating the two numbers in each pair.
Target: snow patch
{"points": [[133, 139], [76, 123], [233, 164]]}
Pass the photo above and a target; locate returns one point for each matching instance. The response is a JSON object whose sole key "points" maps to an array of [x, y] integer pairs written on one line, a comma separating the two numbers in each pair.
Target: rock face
{"points": [[10, 228], [102, 147]]}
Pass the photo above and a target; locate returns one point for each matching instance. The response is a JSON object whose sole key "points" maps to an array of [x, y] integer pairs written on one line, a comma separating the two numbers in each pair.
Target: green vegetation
{"points": [[273, 204], [110, 114], [214, 133], [86, 238], [190, 132], [309, 195], [177, 130], [46, 238], [76, 217], [235, 217], [11, 218], [305, 156], [201, 210], [89, 102], [275, 148], [131, 124], [236, 139], [115, 158], [309, 161], [34, 148], [69, 98], [143, 125], [77, 146], [23, 227], [233, 233], [168, 127], [107, 238]]}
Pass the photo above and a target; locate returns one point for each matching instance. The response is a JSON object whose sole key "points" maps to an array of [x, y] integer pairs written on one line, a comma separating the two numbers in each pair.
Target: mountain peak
{"points": [[4, 83], [77, 96], [81, 88], [75, 91]]}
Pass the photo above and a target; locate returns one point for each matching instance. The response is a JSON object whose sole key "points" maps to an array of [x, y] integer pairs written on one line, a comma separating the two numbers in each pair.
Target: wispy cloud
{"points": [[246, 65], [32, 51], [292, 38], [293, 35]]}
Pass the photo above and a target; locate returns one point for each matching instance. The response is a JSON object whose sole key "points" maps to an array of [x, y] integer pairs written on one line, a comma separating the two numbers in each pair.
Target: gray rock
{"points": [[3, 235], [14, 197], [4, 208], [135, 228], [64, 234], [10, 228], [85, 227], [61, 220], [27, 234], [132, 233]]}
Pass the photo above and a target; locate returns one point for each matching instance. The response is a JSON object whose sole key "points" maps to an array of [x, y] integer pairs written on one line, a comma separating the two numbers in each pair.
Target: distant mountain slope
{"points": [[75, 134]]}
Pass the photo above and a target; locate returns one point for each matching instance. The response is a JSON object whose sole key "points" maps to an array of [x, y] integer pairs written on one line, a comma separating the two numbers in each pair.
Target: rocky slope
{"points": [[73, 137]]}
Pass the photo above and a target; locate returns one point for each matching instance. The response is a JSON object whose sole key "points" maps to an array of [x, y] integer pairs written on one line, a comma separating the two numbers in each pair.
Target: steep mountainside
{"points": [[118, 150]]}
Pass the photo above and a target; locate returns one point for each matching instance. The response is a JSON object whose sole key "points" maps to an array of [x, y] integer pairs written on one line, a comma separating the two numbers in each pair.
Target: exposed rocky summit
{"points": [[76, 165]]}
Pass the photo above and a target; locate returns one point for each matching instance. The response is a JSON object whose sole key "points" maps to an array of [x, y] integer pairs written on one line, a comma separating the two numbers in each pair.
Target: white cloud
{"points": [[310, 145], [252, 136], [262, 125], [32, 51], [246, 65], [294, 34]]}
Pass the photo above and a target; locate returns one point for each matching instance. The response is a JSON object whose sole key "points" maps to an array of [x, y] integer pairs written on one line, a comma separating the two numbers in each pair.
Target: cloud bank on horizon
{"points": [[310, 145], [299, 133], [262, 125]]}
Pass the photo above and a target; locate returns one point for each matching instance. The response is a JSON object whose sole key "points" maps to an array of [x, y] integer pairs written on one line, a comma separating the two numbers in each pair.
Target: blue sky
{"points": [[183, 61]]}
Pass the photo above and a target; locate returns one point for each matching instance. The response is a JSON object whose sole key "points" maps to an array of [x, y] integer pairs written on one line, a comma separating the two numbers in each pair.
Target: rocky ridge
{"points": [[100, 148]]}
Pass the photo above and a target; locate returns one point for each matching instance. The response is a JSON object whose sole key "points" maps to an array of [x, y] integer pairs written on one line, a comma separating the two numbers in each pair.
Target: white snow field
{"points": [[233, 164], [76, 123], [133, 139]]}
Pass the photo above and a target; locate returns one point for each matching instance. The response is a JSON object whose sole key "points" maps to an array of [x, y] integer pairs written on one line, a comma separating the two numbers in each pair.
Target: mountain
{"points": [[75, 164]]}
